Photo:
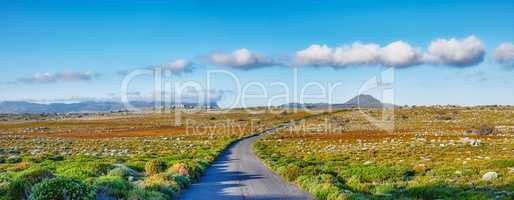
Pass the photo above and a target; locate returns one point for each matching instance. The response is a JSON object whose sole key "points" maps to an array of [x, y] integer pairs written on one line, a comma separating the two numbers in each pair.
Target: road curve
{"points": [[239, 174]]}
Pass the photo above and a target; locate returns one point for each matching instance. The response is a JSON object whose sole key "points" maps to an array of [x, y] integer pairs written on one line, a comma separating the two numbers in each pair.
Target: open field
{"points": [[134, 156], [433, 153]]}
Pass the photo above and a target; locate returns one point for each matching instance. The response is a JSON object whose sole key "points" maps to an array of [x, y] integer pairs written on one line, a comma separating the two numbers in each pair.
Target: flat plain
{"points": [[427, 153], [432, 153], [117, 156]]}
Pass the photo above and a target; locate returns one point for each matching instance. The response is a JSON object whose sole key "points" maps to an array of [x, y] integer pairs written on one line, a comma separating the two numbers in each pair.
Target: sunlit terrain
{"points": [[433, 153], [134, 156]]}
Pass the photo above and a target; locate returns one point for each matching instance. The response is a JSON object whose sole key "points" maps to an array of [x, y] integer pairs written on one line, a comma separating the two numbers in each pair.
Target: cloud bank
{"points": [[504, 54], [242, 59], [48, 77], [449, 52]]}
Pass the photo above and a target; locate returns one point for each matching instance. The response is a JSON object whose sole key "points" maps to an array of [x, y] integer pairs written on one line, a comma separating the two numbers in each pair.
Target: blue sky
{"points": [[83, 44]]}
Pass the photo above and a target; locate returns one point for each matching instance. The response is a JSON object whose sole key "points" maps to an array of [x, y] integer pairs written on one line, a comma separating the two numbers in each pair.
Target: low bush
{"points": [[4, 184], [289, 172], [182, 181], [371, 173], [21, 166], [122, 171], [112, 186], [155, 166], [162, 183], [323, 187], [83, 170], [141, 194], [62, 188], [100, 169], [179, 168], [37, 158], [20, 187], [443, 192], [196, 168], [13, 159]]}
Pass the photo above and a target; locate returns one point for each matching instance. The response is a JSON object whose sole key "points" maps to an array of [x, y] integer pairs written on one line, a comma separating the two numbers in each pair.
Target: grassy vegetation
{"points": [[136, 156], [433, 153]]}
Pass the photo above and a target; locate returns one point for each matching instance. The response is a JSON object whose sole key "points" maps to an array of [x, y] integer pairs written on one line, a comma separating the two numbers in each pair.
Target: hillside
{"points": [[360, 101]]}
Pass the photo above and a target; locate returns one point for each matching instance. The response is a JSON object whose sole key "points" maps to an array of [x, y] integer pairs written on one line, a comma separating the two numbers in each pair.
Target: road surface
{"points": [[239, 174]]}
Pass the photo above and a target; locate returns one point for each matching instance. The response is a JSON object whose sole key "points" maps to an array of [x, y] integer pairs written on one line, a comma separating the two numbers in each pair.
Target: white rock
{"points": [[489, 176], [369, 162]]}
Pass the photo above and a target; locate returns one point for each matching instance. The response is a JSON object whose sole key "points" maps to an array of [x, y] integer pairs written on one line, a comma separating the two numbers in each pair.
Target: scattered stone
{"points": [[369, 162], [471, 142], [489, 176]]}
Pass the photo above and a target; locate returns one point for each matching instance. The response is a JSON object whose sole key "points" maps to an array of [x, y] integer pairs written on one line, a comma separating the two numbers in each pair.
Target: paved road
{"points": [[239, 174]]}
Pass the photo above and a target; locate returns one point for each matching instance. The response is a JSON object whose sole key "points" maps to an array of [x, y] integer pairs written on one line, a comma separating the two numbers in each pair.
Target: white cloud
{"points": [[42, 77], [450, 52], [504, 54], [242, 59], [396, 54], [315, 55], [400, 54], [61, 76], [356, 54], [179, 66], [456, 52]]}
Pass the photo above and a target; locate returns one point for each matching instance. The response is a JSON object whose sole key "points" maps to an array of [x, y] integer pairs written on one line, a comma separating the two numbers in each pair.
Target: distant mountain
{"points": [[18, 107], [360, 101], [365, 101]]}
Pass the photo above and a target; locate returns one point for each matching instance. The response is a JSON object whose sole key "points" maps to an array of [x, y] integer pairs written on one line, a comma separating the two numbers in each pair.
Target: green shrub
{"points": [[371, 173], [62, 188], [5, 180], [182, 181], [162, 183], [431, 192], [112, 186], [384, 188], [100, 169], [289, 172], [323, 187], [155, 166], [2, 159], [179, 169], [13, 159], [20, 187], [36, 158], [140, 194], [195, 169], [83, 170], [122, 171]]}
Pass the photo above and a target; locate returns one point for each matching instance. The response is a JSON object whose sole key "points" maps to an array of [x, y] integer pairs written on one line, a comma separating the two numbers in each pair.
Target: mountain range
{"points": [[18, 107]]}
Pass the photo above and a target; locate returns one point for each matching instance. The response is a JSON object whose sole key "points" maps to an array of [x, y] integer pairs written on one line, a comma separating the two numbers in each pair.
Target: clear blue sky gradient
{"points": [[109, 36]]}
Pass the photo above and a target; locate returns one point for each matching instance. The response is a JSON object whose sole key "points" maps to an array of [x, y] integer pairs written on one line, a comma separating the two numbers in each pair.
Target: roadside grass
{"points": [[430, 155], [124, 157]]}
